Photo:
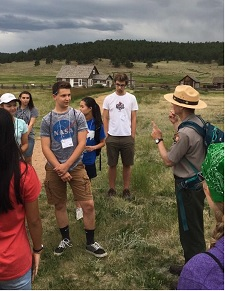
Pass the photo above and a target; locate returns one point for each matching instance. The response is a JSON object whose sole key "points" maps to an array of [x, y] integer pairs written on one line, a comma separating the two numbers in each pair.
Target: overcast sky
{"points": [[26, 24]]}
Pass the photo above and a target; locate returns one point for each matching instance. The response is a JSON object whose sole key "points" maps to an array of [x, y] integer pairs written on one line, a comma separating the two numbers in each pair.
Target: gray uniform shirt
{"points": [[189, 145], [63, 126]]}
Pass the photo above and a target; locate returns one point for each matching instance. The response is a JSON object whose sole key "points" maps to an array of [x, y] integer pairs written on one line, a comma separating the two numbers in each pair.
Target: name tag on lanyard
{"points": [[67, 142]]}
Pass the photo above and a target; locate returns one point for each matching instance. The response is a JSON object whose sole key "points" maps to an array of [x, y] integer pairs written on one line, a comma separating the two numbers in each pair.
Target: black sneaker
{"points": [[126, 194], [96, 250], [111, 192], [176, 269], [65, 243]]}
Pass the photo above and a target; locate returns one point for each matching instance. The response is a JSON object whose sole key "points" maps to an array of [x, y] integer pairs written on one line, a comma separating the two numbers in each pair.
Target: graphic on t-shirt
{"points": [[91, 134], [62, 129], [120, 106]]}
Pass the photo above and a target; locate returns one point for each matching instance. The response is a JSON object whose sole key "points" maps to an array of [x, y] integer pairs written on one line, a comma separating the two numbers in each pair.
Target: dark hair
{"points": [[10, 157], [96, 112], [60, 85], [121, 77], [31, 103]]}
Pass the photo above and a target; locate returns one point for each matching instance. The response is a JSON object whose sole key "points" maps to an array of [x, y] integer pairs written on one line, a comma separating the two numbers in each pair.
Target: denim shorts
{"points": [[29, 152], [21, 283]]}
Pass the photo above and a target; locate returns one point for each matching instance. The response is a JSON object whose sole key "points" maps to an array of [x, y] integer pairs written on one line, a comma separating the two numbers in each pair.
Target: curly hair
{"points": [[218, 231]]}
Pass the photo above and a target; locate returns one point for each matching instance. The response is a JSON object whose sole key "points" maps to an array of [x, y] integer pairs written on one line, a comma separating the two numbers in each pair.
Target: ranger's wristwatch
{"points": [[158, 140]]}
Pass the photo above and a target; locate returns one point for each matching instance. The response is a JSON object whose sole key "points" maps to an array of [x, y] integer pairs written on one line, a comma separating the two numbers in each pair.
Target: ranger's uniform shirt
{"points": [[188, 144]]}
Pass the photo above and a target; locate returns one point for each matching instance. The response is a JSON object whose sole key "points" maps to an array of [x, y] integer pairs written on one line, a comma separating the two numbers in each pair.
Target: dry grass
{"points": [[141, 237], [161, 72]]}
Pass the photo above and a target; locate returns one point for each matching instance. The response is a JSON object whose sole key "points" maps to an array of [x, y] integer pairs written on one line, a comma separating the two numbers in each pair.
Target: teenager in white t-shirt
{"points": [[119, 119]]}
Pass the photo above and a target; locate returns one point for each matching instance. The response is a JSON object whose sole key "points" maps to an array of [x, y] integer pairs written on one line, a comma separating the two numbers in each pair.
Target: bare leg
{"points": [[112, 177], [89, 214], [126, 176], [61, 215]]}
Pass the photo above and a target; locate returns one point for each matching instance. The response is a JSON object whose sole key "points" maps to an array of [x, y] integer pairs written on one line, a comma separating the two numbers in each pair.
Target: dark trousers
{"points": [[192, 238]]}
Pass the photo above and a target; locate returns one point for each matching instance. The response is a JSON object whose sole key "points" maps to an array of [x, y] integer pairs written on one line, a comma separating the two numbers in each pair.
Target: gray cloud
{"points": [[14, 23], [25, 24]]}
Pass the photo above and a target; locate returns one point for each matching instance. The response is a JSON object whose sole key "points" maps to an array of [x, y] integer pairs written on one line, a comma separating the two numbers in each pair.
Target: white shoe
{"points": [[79, 213]]}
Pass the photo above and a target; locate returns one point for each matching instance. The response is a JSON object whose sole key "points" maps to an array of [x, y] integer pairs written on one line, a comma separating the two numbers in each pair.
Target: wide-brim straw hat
{"points": [[185, 96]]}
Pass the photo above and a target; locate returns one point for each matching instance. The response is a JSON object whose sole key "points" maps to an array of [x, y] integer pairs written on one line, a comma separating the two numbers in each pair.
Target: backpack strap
{"points": [[216, 260], [200, 130]]}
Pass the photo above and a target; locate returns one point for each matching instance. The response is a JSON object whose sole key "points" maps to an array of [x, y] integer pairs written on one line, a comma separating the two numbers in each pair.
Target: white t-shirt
{"points": [[120, 108]]}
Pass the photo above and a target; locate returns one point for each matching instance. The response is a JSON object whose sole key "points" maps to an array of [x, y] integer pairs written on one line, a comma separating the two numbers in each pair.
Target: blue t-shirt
{"points": [[90, 157]]}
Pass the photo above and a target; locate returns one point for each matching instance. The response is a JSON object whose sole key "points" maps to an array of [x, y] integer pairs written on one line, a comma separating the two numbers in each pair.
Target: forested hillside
{"points": [[122, 52]]}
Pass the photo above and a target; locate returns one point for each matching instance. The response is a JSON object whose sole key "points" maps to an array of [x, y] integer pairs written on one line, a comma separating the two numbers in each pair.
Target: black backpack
{"points": [[209, 132]]}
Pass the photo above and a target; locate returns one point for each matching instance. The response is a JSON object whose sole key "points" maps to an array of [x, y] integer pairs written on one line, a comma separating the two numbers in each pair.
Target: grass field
{"points": [[141, 237], [161, 73]]}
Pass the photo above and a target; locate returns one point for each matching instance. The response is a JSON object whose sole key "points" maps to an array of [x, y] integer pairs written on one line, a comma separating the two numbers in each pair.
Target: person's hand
{"points": [[66, 177], [61, 169], [173, 117], [90, 148], [156, 132], [35, 264]]}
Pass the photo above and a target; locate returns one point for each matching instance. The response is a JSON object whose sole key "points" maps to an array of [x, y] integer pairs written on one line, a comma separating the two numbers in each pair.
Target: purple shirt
{"points": [[201, 272]]}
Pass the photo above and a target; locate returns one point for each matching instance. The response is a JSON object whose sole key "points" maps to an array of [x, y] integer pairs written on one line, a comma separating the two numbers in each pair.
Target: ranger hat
{"points": [[186, 96]]}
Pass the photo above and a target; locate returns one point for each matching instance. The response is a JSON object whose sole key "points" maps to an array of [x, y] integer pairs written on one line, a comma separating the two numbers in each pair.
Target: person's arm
{"points": [[82, 137], [35, 229], [157, 134], [133, 123], [62, 169], [96, 147], [24, 142], [47, 152], [31, 124], [106, 121]]}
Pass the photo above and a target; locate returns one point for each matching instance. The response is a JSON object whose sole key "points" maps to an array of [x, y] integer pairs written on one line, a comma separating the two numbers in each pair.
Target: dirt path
{"points": [[39, 160]]}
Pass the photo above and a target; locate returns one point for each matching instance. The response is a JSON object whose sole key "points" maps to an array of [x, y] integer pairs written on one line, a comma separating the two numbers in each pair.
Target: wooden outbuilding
{"points": [[191, 81], [218, 82]]}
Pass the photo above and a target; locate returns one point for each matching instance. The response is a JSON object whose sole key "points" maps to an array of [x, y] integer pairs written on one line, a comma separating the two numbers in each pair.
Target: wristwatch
{"points": [[158, 140]]}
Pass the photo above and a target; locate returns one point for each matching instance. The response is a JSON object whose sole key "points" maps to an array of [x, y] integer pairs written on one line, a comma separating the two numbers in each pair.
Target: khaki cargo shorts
{"points": [[56, 189]]}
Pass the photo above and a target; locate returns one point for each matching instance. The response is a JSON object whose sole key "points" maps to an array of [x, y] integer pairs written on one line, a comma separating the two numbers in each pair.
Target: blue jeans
{"points": [[21, 283], [29, 152]]}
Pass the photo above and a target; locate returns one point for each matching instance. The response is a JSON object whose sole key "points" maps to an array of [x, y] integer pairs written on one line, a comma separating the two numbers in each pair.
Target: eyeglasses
{"points": [[120, 85]]}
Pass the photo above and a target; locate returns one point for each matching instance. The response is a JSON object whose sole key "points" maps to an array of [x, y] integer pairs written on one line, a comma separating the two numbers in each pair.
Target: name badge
{"points": [[67, 142]]}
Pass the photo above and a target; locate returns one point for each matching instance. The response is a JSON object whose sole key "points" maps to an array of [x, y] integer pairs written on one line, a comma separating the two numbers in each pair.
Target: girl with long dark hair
{"points": [[95, 138], [19, 191], [28, 112]]}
